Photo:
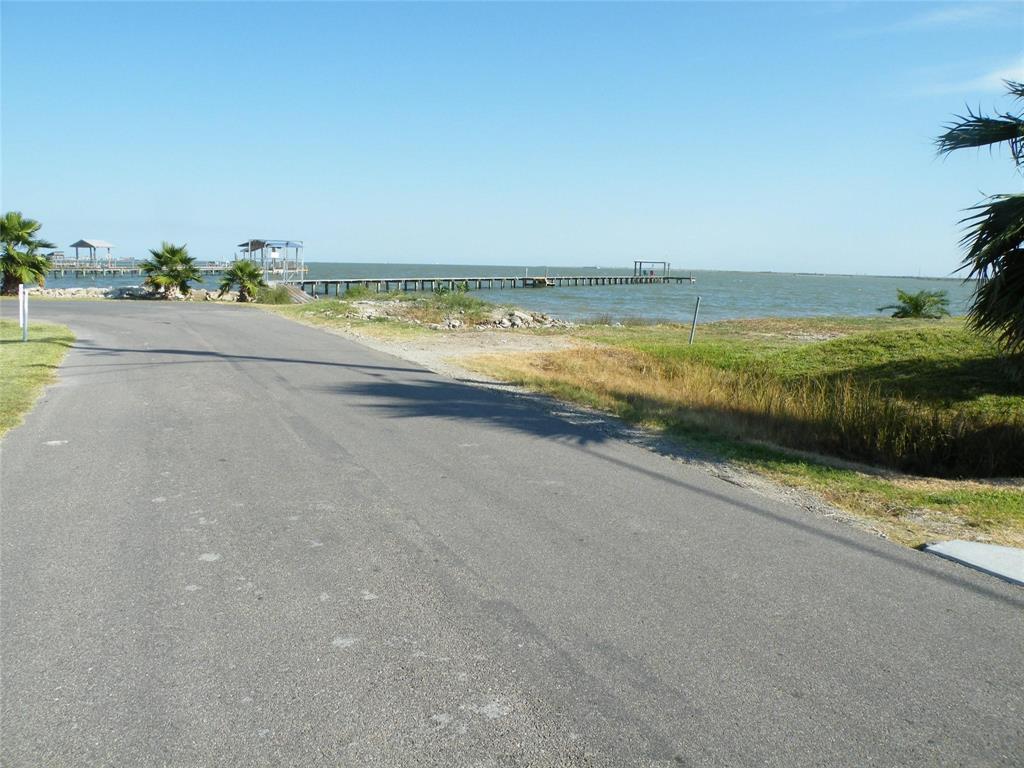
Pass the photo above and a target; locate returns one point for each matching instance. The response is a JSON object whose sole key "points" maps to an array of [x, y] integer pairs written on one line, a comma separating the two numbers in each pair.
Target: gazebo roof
{"points": [[91, 244], [257, 244]]}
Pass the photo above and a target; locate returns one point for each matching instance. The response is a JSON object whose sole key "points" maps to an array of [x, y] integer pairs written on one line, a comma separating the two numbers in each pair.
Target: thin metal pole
{"points": [[693, 327]]}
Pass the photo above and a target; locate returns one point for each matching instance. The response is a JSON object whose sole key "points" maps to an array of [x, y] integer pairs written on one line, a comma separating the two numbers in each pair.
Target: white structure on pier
{"points": [[281, 260], [92, 246]]}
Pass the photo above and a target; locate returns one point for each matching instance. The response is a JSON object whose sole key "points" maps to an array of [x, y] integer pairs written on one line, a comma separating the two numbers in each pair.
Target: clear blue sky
{"points": [[794, 136]]}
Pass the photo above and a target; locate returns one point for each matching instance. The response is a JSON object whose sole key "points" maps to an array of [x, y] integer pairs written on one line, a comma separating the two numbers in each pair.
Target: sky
{"points": [[752, 136]]}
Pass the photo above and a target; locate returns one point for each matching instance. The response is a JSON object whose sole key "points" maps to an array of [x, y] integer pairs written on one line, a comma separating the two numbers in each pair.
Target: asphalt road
{"points": [[232, 540]]}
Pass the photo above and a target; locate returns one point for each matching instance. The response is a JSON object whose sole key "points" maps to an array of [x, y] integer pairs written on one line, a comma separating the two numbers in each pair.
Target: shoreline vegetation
{"points": [[913, 427], [28, 367]]}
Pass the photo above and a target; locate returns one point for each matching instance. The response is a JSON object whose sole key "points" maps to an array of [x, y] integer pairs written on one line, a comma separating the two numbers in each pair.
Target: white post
{"points": [[23, 311]]}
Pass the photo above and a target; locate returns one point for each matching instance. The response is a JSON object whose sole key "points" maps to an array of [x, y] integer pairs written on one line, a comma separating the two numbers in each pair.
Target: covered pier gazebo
{"points": [[281, 260], [642, 268], [92, 246]]}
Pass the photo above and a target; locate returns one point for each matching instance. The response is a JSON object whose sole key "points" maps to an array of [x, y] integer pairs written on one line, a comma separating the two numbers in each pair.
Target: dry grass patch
{"points": [[839, 415]]}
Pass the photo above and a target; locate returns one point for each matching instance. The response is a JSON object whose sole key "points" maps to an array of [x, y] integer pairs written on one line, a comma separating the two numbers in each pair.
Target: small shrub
{"points": [[444, 290], [277, 294], [359, 293], [458, 301], [930, 305]]}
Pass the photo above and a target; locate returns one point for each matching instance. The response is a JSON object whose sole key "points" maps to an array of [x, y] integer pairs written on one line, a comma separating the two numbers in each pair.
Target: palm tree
{"points": [[21, 261], [247, 275], [995, 228], [927, 304], [170, 270]]}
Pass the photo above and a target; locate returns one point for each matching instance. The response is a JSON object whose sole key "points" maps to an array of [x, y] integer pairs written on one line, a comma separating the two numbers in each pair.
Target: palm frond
{"points": [[16, 229], [979, 131], [994, 231], [26, 266], [998, 306]]}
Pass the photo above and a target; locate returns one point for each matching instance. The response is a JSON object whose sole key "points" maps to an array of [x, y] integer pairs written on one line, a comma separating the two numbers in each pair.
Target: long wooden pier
{"points": [[387, 284]]}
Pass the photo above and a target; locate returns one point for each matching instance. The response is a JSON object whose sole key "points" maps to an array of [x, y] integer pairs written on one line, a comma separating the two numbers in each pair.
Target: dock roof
{"points": [[257, 244], [91, 244]]}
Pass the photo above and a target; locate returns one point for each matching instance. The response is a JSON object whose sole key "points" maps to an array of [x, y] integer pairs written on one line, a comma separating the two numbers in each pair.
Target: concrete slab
{"points": [[1003, 562]]}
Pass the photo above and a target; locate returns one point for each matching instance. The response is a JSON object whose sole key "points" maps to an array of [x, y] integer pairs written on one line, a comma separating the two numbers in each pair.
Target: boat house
{"points": [[281, 260]]}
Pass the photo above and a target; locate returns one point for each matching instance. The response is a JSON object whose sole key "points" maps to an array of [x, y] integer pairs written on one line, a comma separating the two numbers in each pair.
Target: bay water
{"points": [[724, 295]]}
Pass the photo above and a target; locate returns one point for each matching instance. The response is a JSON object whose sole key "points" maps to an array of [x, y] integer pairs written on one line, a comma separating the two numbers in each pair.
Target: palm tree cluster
{"points": [[247, 275], [995, 228], [21, 260], [169, 270], [930, 305]]}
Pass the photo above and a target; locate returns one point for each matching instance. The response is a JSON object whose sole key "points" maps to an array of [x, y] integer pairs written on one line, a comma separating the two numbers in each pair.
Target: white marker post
{"points": [[23, 311]]}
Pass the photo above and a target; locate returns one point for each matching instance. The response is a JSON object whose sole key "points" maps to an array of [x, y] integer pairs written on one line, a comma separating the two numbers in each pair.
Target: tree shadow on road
{"points": [[437, 398], [193, 356]]}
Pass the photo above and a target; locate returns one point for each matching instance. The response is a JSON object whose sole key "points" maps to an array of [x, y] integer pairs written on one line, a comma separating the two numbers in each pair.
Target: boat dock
{"points": [[118, 268], [387, 284], [71, 268]]}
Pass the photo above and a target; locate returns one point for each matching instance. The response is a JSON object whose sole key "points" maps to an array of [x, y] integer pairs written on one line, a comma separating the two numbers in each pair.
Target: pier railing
{"points": [[387, 284], [70, 267]]}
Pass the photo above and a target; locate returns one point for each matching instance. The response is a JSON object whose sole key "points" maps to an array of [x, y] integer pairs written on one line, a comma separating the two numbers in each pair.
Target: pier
{"points": [[131, 268], [118, 269], [324, 287]]}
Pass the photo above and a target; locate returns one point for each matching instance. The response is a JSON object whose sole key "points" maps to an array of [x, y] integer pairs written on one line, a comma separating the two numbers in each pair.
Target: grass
{"points": [[27, 367], [910, 510], [277, 294], [437, 307]]}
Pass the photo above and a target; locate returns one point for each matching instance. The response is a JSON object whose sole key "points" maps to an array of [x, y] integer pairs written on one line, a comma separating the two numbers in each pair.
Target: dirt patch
{"points": [[441, 351]]}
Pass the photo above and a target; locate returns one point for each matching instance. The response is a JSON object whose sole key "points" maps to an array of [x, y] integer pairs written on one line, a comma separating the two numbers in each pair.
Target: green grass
{"points": [[911, 511], [277, 294], [28, 367]]}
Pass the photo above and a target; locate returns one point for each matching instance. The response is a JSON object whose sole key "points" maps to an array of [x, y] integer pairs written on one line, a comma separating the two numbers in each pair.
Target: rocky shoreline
{"points": [[127, 292], [501, 317]]}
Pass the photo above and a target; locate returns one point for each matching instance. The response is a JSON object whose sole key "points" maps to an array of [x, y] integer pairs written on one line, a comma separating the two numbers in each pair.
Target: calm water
{"points": [[723, 295]]}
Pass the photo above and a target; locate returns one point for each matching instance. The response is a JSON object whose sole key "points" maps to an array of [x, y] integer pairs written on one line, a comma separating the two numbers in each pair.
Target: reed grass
{"points": [[277, 294], [843, 415]]}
